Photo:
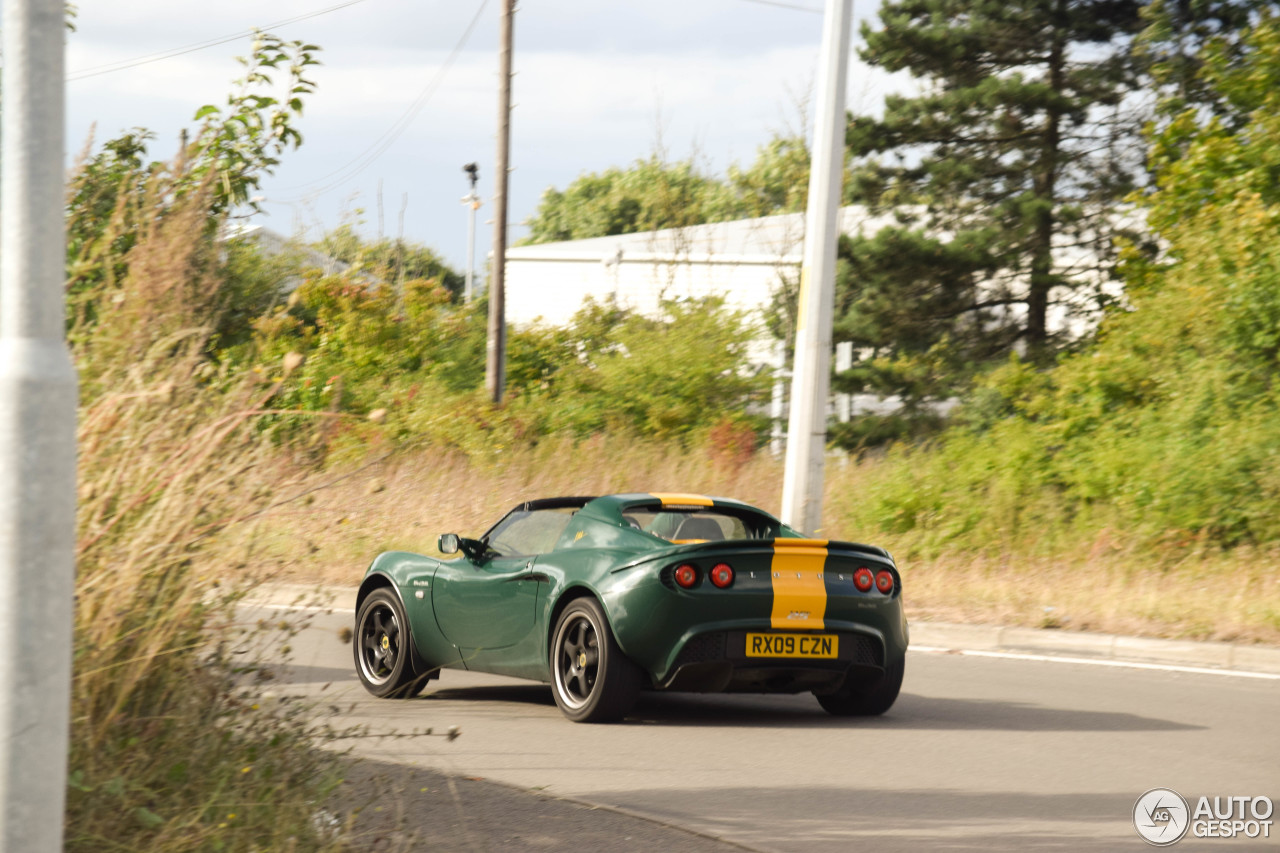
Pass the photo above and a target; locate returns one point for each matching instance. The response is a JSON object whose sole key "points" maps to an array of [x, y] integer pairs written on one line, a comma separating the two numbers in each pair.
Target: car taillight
{"points": [[884, 582], [685, 575], [722, 575], [863, 579]]}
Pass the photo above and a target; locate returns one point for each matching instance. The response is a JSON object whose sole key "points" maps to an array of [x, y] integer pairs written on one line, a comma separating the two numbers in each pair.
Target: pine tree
{"points": [[1173, 46], [1004, 175]]}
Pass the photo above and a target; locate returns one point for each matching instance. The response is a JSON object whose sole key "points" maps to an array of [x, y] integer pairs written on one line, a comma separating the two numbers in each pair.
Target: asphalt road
{"points": [[978, 754]]}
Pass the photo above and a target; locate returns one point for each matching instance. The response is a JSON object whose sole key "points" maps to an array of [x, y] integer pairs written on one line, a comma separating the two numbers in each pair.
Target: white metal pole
{"points": [[811, 377], [37, 436], [473, 202]]}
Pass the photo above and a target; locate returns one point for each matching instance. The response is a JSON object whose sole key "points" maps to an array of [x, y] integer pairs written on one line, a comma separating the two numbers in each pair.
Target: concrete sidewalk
{"points": [[944, 635], [1115, 647]]}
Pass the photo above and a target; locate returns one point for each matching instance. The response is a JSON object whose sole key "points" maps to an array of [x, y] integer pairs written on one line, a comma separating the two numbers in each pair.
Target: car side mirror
{"points": [[452, 543]]}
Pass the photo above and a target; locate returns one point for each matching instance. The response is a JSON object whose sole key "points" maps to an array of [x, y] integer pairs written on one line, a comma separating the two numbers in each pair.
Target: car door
{"points": [[488, 607]]}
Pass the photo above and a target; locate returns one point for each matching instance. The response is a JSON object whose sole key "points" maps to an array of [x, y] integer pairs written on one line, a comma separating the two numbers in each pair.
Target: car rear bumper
{"points": [[681, 637], [717, 662]]}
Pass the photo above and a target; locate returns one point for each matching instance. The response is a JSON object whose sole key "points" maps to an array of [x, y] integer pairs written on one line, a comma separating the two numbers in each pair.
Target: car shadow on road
{"points": [[926, 713], [910, 712], [289, 674], [525, 694]]}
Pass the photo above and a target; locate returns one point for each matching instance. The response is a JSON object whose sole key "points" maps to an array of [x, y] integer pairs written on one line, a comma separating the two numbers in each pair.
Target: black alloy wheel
{"points": [[592, 680], [383, 648], [866, 699]]}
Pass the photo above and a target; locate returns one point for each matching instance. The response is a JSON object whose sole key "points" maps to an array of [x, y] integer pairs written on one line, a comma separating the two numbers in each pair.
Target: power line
{"points": [[380, 145], [110, 67], [786, 6]]}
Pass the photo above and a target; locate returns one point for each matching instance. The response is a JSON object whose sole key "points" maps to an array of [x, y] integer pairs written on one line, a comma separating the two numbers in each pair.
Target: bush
{"points": [[418, 361]]}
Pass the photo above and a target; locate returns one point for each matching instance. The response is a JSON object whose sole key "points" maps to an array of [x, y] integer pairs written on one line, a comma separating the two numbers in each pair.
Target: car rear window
{"points": [[688, 525]]}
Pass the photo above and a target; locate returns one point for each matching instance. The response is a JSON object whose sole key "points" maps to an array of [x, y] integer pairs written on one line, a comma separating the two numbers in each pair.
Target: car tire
{"points": [[383, 648], [865, 699], [591, 679]]}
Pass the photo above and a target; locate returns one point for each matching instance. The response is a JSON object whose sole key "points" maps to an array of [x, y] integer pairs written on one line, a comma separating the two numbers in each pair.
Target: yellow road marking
{"points": [[799, 592], [675, 498]]}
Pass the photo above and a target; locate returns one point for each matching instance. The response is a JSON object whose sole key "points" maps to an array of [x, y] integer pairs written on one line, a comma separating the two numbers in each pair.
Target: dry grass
{"points": [[404, 502], [168, 752], [1228, 597], [346, 516]]}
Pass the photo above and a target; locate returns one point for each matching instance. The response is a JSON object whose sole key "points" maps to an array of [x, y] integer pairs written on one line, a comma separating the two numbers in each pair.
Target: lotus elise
{"points": [[602, 597]]}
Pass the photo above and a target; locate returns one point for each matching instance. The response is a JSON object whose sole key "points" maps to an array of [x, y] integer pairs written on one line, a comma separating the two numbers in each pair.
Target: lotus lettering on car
{"points": [[602, 597]]}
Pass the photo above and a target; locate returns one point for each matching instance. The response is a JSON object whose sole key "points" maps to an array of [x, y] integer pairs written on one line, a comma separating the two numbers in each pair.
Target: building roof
{"points": [[769, 240]]}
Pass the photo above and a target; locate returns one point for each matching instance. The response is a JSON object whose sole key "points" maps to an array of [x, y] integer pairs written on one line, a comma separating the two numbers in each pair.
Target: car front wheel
{"points": [[383, 648], [593, 681]]}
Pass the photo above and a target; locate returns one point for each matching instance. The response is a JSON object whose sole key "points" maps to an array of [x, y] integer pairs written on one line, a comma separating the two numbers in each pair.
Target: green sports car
{"points": [[603, 597]]}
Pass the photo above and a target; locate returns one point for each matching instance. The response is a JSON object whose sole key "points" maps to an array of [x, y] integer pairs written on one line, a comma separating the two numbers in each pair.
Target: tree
{"points": [[1172, 47], [653, 194], [777, 182], [126, 211], [650, 195], [1005, 175], [392, 260], [243, 140], [1166, 427]]}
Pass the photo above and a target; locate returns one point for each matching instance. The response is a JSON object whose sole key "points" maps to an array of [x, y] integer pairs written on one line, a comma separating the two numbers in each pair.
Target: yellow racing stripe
{"points": [[677, 499], [799, 591]]}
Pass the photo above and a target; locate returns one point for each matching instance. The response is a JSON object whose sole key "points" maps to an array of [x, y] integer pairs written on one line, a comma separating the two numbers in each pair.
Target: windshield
{"points": [[529, 532]]}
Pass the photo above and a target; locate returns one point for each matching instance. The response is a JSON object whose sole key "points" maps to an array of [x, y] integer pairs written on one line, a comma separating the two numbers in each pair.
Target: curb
{"points": [[943, 635], [1114, 647], [300, 596]]}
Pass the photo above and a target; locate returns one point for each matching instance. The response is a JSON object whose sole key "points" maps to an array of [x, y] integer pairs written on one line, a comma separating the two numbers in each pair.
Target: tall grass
{"points": [[169, 752]]}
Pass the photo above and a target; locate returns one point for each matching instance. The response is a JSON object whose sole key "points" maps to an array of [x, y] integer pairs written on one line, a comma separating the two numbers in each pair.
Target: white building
{"points": [[274, 244], [745, 261]]}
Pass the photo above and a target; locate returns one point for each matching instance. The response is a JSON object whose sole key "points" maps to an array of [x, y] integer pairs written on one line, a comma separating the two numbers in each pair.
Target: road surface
{"points": [[978, 754]]}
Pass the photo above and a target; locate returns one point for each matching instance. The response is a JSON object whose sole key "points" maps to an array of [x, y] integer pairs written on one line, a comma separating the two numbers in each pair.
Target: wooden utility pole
{"points": [[495, 372]]}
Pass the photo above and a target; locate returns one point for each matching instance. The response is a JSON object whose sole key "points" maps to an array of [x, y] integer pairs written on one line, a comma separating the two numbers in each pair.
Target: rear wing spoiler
{"points": [[763, 546]]}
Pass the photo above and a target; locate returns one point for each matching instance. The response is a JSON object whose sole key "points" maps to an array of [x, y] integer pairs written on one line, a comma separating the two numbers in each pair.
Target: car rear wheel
{"points": [[864, 699], [383, 645], [592, 680]]}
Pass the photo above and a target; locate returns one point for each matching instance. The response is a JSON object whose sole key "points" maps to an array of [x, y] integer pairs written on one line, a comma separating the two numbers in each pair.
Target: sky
{"points": [[598, 83]]}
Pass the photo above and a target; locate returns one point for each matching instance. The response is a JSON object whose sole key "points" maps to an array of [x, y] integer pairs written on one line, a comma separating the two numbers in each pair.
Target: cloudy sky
{"points": [[599, 83]]}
